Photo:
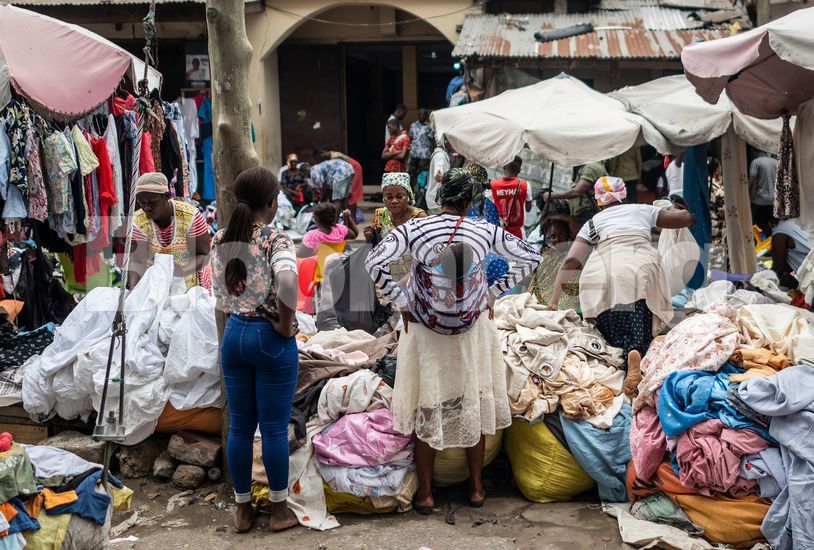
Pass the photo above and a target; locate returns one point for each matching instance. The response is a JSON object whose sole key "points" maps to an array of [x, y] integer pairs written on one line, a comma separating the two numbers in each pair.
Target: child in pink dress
{"points": [[328, 230]]}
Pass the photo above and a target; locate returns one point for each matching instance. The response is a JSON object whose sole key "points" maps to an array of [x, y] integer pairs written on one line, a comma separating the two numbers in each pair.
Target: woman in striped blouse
{"points": [[451, 384]]}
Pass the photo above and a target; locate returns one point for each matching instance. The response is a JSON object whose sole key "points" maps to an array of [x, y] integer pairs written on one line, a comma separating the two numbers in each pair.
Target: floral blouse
{"points": [[270, 253]]}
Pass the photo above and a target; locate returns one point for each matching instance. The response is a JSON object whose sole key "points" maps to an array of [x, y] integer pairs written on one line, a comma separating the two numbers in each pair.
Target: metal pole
{"points": [[547, 206]]}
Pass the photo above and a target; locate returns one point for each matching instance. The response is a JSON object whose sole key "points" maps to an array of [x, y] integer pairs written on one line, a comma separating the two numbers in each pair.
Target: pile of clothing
{"points": [[345, 454], [566, 381], [52, 497], [720, 438], [17, 347], [171, 355], [360, 453], [554, 359], [30, 293], [71, 183]]}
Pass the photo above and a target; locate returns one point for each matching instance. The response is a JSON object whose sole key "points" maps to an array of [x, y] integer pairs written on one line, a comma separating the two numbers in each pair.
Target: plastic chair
{"points": [[325, 250], [306, 271], [763, 243]]}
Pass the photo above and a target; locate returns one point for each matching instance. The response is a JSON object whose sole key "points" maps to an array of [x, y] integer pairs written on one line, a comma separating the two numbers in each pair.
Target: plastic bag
{"points": [[354, 297], [543, 469], [451, 467], [679, 254]]}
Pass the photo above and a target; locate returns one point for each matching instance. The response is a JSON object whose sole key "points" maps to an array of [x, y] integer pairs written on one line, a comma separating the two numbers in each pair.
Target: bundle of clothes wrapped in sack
{"points": [[709, 445]]}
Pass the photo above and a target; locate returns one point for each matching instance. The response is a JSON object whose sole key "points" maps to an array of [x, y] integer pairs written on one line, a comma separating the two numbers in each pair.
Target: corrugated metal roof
{"points": [[35, 3], [645, 33], [683, 4]]}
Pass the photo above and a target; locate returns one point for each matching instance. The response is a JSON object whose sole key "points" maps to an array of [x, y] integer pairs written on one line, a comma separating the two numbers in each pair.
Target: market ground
{"points": [[507, 521]]}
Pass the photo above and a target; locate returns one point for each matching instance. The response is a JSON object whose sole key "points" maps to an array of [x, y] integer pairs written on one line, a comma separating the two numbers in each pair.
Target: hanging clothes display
{"points": [[119, 208], [205, 114], [696, 194], [787, 188]]}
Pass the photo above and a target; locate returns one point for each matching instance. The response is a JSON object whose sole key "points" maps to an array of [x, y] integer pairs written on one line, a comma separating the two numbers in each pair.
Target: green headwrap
{"points": [[457, 186]]}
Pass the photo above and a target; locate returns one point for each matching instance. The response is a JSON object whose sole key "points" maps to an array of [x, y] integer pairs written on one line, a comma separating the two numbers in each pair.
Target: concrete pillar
{"points": [[271, 148]]}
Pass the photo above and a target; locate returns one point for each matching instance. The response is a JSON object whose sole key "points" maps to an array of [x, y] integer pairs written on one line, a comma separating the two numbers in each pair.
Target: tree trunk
{"points": [[229, 56]]}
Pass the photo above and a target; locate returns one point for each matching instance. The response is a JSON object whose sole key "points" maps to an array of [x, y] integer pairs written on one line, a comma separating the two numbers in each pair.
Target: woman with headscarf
{"points": [[622, 288], [483, 208], [451, 383], [559, 236], [168, 226], [398, 209]]}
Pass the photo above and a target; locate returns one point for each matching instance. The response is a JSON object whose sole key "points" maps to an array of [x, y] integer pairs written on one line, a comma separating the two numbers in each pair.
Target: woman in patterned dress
{"points": [[451, 383]]}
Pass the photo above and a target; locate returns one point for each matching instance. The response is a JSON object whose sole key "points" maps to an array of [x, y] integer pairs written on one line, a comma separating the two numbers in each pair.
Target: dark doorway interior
{"points": [[373, 87], [310, 98], [435, 70]]}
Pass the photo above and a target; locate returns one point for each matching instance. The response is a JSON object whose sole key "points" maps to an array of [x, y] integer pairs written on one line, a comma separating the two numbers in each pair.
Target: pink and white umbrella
{"points": [[62, 69], [767, 72]]}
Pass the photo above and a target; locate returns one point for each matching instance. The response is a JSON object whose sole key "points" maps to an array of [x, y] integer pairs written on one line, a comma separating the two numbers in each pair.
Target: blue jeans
{"points": [[260, 373]]}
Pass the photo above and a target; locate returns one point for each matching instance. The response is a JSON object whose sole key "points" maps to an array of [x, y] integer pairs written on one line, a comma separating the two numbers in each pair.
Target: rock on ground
{"points": [[79, 444], [194, 448], [137, 460], [164, 466], [187, 476]]}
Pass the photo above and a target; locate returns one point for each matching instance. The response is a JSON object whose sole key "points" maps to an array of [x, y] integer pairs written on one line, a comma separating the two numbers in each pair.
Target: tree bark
{"points": [[229, 56]]}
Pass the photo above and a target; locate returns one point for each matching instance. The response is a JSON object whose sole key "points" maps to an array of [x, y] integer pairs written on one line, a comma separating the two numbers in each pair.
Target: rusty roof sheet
{"points": [[684, 4], [47, 3], [645, 33]]}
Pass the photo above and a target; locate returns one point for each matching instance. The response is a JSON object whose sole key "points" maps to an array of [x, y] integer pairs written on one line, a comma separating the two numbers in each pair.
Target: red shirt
{"points": [[397, 142], [510, 196]]}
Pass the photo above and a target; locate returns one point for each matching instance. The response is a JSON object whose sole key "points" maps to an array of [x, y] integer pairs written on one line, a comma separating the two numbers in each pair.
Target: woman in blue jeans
{"points": [[254, 270]]}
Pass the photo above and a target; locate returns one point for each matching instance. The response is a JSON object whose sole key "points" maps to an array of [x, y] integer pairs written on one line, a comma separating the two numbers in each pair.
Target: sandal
{"points": [[423, 510], [251, 523]]}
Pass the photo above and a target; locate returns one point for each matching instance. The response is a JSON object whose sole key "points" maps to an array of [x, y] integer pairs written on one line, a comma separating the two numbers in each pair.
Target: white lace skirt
{"points": [[451, 389]]}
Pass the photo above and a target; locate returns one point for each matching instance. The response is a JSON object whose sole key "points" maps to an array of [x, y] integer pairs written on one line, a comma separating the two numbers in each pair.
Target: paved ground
{"points": [[507, 521]]}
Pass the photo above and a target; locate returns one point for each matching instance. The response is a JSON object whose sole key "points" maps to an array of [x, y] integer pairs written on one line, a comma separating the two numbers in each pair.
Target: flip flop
{"points": [[251, 523]]}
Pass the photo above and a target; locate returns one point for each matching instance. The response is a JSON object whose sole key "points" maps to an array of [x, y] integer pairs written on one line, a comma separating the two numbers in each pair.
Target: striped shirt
{"points": [[764, 170], [443, 304], [165, 236]]}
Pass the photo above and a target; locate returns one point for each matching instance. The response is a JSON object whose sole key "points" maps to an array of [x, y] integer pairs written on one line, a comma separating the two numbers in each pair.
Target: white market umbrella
{"points": [[673, 107], [560, 119], [767, 71]]}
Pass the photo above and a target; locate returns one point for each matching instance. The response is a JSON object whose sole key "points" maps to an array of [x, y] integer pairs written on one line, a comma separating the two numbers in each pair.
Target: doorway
{"points": [[373, 87]]}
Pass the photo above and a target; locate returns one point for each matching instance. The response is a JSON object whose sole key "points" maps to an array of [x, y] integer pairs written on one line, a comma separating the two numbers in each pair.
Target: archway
{"points": [[333, 84]]}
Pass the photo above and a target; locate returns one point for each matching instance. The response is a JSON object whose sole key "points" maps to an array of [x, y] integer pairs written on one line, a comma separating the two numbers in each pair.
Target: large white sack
{"points": [[191, 366], [679, 254]]}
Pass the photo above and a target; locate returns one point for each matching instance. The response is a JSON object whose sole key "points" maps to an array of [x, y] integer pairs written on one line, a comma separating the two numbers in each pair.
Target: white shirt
{"points": [[439, 162], [675, 178], [625, 218]]}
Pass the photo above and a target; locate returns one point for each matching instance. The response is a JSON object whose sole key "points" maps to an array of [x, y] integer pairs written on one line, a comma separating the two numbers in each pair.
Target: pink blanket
{"points": [[647, 442], [363, 439], [709, 456]]}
